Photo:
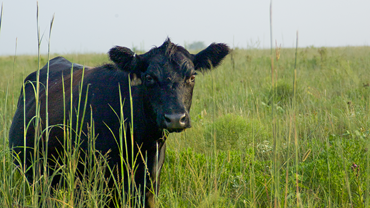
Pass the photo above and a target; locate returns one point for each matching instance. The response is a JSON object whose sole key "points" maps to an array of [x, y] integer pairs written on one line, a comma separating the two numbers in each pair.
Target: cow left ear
{"points": [[122, 57], [210, 57]]}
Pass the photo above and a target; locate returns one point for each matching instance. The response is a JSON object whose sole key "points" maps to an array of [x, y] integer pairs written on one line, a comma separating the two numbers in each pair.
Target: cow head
{"points": [[167, 75]]}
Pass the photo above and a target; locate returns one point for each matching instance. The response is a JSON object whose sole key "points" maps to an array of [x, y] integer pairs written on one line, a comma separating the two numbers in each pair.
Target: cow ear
{"points": [[139, 63], [210, 57], [122, 57]]}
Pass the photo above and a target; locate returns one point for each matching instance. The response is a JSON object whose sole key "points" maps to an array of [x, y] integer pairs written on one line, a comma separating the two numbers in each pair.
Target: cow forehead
{"points": [[177, 58], [177, 64]]}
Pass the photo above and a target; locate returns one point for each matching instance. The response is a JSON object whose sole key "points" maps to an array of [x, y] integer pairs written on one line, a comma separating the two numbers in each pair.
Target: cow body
{"points": [[161, 84]]}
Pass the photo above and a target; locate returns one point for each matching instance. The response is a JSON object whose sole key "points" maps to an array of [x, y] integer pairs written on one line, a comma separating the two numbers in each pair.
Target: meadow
{"points": [[280, 128]]}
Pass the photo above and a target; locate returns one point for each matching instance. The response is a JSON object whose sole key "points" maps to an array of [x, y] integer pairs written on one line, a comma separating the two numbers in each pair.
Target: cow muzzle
{"points": [[176, 122]]}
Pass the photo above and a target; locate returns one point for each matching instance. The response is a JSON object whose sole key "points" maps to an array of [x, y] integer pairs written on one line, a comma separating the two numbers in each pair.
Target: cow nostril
{"points": [[183, 119], [167, 119]]}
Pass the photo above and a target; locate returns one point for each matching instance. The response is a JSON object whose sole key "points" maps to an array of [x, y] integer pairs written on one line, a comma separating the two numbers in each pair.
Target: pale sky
{"points": [[83, 26]]}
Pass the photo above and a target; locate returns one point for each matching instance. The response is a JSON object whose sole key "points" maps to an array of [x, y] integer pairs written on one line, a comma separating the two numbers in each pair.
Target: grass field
{"points": [[260, 138]]}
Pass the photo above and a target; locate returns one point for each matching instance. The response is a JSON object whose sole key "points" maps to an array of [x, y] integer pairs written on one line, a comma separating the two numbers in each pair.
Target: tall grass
{"points": [[88, 190], [262, 135], [309, 135], [318, 140]]}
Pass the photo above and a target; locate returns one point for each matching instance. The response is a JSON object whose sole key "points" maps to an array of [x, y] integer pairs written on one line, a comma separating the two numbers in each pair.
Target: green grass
{"points": [[252, 142]]}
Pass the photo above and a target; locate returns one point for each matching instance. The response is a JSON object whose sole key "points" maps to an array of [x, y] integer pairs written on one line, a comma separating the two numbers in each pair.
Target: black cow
{"points": [[162, 82]]}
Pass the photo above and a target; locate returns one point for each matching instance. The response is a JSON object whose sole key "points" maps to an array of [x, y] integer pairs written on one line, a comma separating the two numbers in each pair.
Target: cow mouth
{"points": [[175, 130]]}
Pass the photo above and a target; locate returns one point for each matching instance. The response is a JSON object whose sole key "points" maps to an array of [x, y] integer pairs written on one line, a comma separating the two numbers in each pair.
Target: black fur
{"points": [[162, 82], [211, 56], [121, 56]]}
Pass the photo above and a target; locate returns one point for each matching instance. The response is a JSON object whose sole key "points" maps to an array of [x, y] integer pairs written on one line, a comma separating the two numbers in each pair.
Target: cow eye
{"points": [[192, 78], [149, 79]]}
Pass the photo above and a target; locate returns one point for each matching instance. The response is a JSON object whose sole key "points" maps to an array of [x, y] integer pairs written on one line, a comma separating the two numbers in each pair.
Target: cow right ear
{"points": [[122, 57], [210, 57]]}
